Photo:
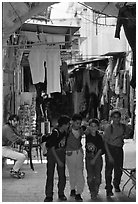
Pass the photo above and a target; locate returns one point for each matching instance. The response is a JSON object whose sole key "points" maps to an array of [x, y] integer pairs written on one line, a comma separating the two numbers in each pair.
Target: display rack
{"points": [[27, 115]]}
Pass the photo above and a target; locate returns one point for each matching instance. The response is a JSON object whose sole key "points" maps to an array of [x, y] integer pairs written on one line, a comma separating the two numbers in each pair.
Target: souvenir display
{"points": [[27, 114]]}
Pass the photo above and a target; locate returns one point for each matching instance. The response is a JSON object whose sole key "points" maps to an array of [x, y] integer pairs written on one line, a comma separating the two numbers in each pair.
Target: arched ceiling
{"points": [[14, 14]]}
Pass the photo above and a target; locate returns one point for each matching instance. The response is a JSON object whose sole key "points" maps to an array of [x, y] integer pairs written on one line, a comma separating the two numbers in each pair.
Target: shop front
{"points": [[101, 85], [38, 76]]}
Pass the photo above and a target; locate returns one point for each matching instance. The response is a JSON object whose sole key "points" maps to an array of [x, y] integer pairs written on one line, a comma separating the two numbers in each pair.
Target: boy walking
{"points": [[114, 136], [94, 161], [56, 156], [74, 158]]}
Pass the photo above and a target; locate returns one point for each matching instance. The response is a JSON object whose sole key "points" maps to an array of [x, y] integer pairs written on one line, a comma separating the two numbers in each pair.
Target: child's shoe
{"points": [[78, 197], [62, 197], [109, 193], [93, 195], [48, 199], [73, 193]]}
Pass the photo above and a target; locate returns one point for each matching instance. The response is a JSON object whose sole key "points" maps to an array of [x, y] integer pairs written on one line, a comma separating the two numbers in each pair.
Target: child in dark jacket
{"points": [[56, 155], [94, 161]]}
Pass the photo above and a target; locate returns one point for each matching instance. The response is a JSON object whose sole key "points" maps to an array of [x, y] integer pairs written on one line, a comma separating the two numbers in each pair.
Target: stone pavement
{"points": [[31, 188]]}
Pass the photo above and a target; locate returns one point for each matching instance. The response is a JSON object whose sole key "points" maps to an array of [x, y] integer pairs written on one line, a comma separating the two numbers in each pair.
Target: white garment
{"points": [[15, 155], [116, 67], [117, 85], [53, 63], [51, 54], [102, 100], [109, 68], [124, 83], [75, 167], [37, 56]]}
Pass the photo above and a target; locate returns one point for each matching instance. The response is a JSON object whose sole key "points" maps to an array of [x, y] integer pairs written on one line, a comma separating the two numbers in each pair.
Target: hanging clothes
{"points": [[125, 83], [53, 63], [64, 71], [72, 84], [46, 57], [117, 103], [64, 76], [115, 71], [121, 79], [86, 79], [127, 19], [78, 99], [78, 74], [36, 58], [93, 105], [105, 90], [110, 67], [117, 85]]}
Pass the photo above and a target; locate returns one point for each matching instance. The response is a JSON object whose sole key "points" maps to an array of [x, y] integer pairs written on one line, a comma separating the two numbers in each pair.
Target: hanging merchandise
{"points": [[125, 83], [37, 57], [127, 19], [27, 115], [117, 85], [105, 90], [53, 63], [107, 78], [47, 124], [117, 102], [115, 71], [78, 98], [93, 106], [109, 68], [64, 77], [78, 73], [86, 79], [121, 80], [42, 121], [46, 56]]}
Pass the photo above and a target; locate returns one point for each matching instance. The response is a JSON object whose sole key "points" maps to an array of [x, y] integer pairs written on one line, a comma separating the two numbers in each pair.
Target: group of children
{"points": [[65, 148]]}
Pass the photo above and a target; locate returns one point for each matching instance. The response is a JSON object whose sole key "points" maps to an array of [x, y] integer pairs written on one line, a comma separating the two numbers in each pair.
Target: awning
{"points": [[115, 54], [51, 29], [88, 61]]}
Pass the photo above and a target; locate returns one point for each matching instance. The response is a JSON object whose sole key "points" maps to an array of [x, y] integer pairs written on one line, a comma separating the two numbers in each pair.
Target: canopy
{"points": [[51, 29]]}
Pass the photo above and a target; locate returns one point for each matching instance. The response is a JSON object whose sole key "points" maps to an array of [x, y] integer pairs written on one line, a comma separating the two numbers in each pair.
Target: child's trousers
{"points": [[51, 164], [118, 155], [75, 167], [94, 175]]}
